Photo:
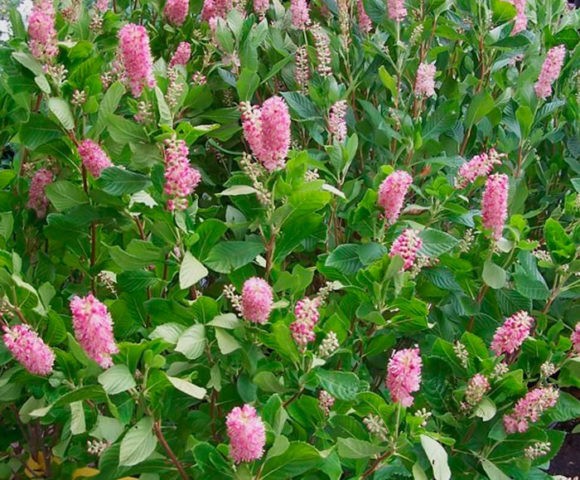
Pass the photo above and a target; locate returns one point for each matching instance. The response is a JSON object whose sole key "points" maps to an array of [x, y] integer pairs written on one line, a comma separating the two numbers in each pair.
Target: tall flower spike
{"points": [[307, 316], [425, 82], [213, 9], [406, 246], [323, 55], [94, 157], [300, 13], [550, 71], [404, 375], [494, 204], [392, 194], [41, 31], [257, 300], [93, 328], [247, 434], [176, 11], [337, 121], [364, 22], [136, 57], [479, 166], [397, 10], [302, 68], [530, 408], [181, 179], [29, 349], [521, 21], [181, 55], [37, 199], [576, 338], [510, 336]]}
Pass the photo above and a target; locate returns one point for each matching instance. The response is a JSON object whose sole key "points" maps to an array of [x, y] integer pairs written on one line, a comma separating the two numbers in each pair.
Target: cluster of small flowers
{"points": [[494, 204], [510, 336], [108, 280], [174, 88], [233, 297], [56, 72], [407, 245], [198, 79], [425, 81], [307, 316], [94, 158], [37, 199], [424, 415], [254, 171], [93, 328], [404, 375], [96, 447], [550, 71], [499, 371], [537, 450], [477, 387], [479, 166], [376, 427], [71, 13], [300, 13], [182, 55], [364, 22], [102, 5], [467, 241], [29, 349], [311, 175], [542, 255], [176, 11], [180, 178], [337, 121], [397, 10], [247, 434], [521, 21], [422, 262], [302, 68], [214, 9], [392, 194], [530, 408], [329, 345], [144, 113], [79, 98], [576, 338], [41, 30], [117, 72], [322, 45], [344, 22], [325, 402], [257, 300], [416, 34], [461, 353], [136, 57], [547, 369]]}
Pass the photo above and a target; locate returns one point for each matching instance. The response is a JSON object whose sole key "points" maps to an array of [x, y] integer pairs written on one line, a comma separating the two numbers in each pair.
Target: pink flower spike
{"points": [[93, 157], [550, 71], [307, 316], [510, 336], [181, 55], [364, 22], [407, 245], [102, 5], [479, 166], [521, 21], [425, 82], [392, 194], [397, 10], [494, 204], [247, 434], [181, 179], [337, 121], [41, 31], [176, 11], [257, 300], [404, 375], [29, 349], [261, 7], [300, 12], [136, 57], [93, 328], [530, 408], [37, 199], [576, 338]]}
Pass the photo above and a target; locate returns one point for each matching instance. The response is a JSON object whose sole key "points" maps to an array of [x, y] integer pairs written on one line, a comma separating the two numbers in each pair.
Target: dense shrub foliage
{"points": [[326, 240]]}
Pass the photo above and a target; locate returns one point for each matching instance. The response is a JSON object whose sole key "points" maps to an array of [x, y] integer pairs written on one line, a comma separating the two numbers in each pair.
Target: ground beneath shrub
{"points": [[567, 462]]}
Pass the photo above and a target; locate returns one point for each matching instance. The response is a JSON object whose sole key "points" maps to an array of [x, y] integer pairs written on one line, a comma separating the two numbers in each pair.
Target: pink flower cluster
{"points": [[29, 349], [337, 121], [213, 9], [300, 12], [267, 131], [550, 71], [180, 177], [36, 194], [176, 11], [94, 157], [530, 408], [397, 10], [494, 204], [521, 21], [479, 166], [136, 57], [181, 55], [261, 7], [102, 5], [307, 316], [41, 30], [477, 387], [257, 300], [247, 434], [392, 194], [406, 246], [510, 336], [576, 338], [325, 401], [404, 375], [93, 328], [425, 81], [364, 22]]}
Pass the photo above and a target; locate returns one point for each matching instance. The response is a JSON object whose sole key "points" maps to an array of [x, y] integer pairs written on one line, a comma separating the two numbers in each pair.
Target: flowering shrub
{"points": [[302, 240]]}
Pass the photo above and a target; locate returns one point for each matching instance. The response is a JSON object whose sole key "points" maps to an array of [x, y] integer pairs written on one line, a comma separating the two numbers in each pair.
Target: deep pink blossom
{"points": [[29, 349], [37, 199], [247, 434], [404, 375], [94, 157], [364, 22], [261, 7], [407, 245], [521, 21], [337, 121], [396, 10], [176, 11], [257, 300], [93, 328], [307, 316], [479, 166], [576, 338], [530, 408], [425, 81], [494, 204], [41, 31], [550, 71], [510, 336], [136, 57], [213, 9], [180, 177], [181, 55], [392, 194], [300, 12]]}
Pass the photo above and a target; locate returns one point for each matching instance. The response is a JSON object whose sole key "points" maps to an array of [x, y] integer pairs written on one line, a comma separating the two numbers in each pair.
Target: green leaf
{"points": [[436, 242], [228, 321], [437, 457], [226, 343], [165, 117], [187, 387], [493, 275], [170, 332], [228, 256], [350, 258], [118, 181], [388, 81], [192, 342], [302, 105], [237, 190], [479, 107], [247, 84], [492, 471], [61, 110], [124, 131], [191, 271], [297, 459], [38, 131], [107, 428], [138, 444], [525, 118], [268, 382], [486, 409], [355, 448], [341, 385], [560, 245], [28, 61], [77, 418], [117, 379], [528, 280], [64, 195]]}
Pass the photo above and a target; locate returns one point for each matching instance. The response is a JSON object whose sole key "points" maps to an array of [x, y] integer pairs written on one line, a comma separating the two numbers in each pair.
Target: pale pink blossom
{"points": [[477, 387], [247, 434], [37, 199], [425, 81], [494, 203], [325, 401], [307, 316], [576, 338], [364, 22], [176, 11], [479, 166], [93, 327], [102, 5], [261, 7], [521, 20], [257, 300], [41, 30], [181, 55], [550, 71], [94, 157], [29, 349], [407, 245], [337, 121], [323, 54], [404, 375], [396, 10], [392, 194], [530, 408], [510, 336], [136, 57], [213, 9], [181, 178], [300, 12]]}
